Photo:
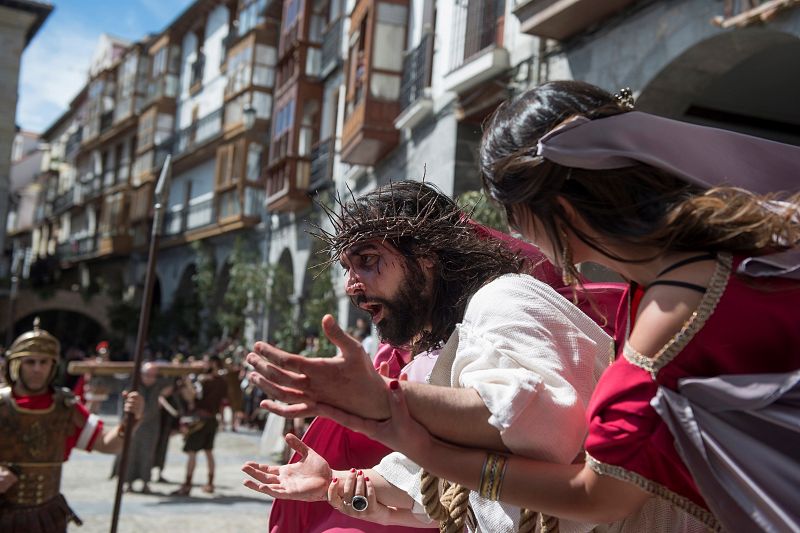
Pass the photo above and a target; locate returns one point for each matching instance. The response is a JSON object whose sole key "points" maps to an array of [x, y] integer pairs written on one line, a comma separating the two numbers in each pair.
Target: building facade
{"points": [[269, 105]]}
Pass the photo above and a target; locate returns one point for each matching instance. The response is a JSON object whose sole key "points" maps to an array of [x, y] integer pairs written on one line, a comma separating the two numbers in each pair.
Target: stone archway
{"points": [[73, 319], [744, 80], [30, 302]]}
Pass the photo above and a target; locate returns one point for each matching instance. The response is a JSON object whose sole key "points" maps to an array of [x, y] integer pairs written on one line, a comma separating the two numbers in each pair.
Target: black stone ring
{"points": [[359, 503]]}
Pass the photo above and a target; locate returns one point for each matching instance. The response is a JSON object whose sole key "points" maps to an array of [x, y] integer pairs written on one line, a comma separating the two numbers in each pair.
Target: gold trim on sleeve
{"points": [[685, 504], [712, 296]]}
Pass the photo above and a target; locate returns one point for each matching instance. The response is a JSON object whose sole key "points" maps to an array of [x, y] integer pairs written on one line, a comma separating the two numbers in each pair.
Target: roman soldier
{"points": [[41, 425]]}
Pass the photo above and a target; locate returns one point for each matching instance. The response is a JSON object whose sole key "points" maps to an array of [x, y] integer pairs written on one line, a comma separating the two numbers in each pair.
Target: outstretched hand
{"points": [[306, 480], [347, 381]]}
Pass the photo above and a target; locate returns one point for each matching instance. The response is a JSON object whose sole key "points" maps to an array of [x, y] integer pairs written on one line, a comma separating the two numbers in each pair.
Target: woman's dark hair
{"points": [[635, 205], [421, 221]]}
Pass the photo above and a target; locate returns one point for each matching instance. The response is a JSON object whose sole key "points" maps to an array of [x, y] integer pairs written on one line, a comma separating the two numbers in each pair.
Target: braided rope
{"points": [[549, 524], [449, 502], [528, 520], [446, 502]]}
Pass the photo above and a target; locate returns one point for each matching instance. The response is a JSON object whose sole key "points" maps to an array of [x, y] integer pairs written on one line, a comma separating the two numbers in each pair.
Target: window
{"points": [[146, 131], [254, 161], [251, 14]]}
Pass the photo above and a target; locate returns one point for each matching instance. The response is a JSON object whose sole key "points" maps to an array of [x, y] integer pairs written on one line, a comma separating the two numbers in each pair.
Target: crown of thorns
{"points": [[381, 215]]}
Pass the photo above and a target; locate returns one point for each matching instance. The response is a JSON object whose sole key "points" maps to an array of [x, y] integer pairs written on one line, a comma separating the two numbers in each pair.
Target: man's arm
{"points": [[458, 416], [110, 441]]}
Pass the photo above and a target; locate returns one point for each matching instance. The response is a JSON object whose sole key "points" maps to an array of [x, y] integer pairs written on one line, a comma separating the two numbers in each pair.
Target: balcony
{"points": [[197, 67], [63, 202], [106, 121], [198, 133], [162, 91], [563, 19], [114, 244], [74, 142], [374, 77], [332, 48], [79, 246], [476, 49], [181, 219], [287, 187], [91, 187], [238, 208], [415, 99], [321, 166]]}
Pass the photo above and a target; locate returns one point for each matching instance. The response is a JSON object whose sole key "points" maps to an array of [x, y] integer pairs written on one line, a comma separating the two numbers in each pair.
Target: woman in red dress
{"points": [[678, 210]]}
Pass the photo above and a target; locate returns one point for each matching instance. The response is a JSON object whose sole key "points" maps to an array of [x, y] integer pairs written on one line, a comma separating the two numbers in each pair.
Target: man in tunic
{"points": [[145, 438], [41, 425], [519, 361], [206, 405]]}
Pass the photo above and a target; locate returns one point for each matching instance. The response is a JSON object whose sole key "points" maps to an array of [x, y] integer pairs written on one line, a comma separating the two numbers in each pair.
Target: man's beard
{"points": [[405, 315]]}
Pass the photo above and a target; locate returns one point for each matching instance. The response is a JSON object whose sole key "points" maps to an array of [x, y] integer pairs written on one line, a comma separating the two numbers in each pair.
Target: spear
{"points": [[144, 322]]}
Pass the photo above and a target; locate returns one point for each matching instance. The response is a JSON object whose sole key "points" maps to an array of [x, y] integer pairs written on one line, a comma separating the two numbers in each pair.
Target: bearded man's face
{"points": [[393, 289]]}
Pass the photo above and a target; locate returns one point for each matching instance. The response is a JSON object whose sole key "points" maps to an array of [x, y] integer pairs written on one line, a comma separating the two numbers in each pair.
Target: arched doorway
{"points": [[71, 328], [744, 80]]}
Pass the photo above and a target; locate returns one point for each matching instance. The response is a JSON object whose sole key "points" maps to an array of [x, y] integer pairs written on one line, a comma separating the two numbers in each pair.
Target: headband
{"points": [[708, 157], [700, 155]]}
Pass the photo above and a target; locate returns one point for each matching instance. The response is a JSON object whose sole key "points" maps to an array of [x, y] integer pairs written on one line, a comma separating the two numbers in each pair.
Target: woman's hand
{"points": [[342, 492], [307, 480]]}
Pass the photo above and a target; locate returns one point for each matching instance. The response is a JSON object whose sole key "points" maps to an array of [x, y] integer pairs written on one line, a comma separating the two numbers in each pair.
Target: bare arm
{"points": [[111, 440], [454, 415], [568, 491]]}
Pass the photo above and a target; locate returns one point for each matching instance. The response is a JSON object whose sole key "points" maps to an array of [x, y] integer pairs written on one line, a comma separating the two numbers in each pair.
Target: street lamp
{"points": [[249, 115]]}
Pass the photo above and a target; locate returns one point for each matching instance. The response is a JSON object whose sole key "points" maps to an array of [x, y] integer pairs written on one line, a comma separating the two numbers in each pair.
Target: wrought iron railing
{"points": [[200, 214], [174, 221], [321, 162], [63, 201], [416, 71], [77, 246], [474, 29], [74, 141], [199, 132], [106, 119]]}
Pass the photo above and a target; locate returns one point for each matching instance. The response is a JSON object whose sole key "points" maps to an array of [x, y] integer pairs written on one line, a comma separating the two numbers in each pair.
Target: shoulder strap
{"points": [[682, 284], [688, 261]]}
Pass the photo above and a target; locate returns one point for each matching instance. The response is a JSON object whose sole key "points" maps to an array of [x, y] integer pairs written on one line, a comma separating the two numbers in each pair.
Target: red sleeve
{"points": [[627, 438], [85, 436]]}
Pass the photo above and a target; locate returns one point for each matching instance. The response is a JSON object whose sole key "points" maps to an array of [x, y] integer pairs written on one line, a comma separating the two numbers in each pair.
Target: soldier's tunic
{"points": [[38, 434]]}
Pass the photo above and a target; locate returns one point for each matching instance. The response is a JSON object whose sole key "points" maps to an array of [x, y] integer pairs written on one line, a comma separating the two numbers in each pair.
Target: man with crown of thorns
{"points": [[41, 425], [522, 361]]}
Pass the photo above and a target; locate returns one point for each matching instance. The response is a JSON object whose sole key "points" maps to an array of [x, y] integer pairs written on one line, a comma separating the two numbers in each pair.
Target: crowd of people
{"points": [[508, 392]]}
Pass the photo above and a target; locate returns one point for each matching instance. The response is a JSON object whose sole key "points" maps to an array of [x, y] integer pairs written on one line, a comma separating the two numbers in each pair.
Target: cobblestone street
{"points": [[233, 507]]}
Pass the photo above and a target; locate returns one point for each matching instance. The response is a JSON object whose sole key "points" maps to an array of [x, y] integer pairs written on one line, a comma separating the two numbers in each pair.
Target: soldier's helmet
{"points": [[36, 342]]}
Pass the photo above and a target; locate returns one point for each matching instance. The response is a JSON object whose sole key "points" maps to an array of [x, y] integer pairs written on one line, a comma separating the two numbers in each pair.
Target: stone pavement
{"points": [[231, 508]]}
